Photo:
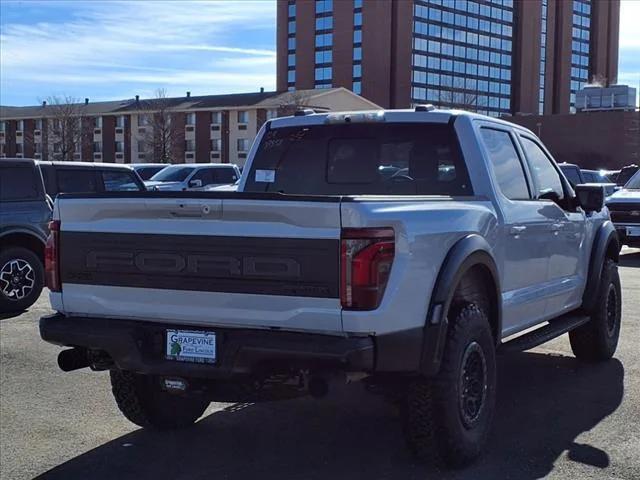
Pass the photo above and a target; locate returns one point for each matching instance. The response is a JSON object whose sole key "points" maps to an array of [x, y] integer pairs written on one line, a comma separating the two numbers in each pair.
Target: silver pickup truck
{"points": [[400, 248]]}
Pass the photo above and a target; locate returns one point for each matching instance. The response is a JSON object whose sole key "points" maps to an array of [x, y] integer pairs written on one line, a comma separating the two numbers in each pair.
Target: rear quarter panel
{"points": [[425, 230]]}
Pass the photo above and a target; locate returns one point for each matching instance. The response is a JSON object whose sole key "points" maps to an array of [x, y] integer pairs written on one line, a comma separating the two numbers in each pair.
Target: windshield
{"points": [[173, 173], [360, 159], [634, 183]]}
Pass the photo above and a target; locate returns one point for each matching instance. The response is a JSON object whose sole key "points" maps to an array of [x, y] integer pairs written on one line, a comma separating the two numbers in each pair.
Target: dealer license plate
{"points": [[633, 231], [191, 346]]}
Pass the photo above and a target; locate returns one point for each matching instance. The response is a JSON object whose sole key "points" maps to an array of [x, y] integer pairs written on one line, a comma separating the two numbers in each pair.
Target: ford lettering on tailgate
{"points": [[260, 265]]}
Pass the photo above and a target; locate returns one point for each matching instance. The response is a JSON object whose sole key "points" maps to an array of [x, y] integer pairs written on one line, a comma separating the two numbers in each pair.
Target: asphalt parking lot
{"points": [[556, 418]]}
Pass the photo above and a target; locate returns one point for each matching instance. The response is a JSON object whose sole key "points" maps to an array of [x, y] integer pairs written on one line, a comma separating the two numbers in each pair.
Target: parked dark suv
{"points": [[25, 211], [85, 177]]}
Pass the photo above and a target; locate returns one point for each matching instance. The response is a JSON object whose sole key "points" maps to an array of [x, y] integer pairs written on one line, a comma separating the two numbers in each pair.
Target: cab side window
{"points": [[548, 180], [507, 166], [205, 175]]}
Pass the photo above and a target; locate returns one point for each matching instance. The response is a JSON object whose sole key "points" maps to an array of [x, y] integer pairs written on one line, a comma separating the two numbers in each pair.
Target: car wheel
{"points": [[597, 340], [143, 401], [447, 418], [21, 279]]}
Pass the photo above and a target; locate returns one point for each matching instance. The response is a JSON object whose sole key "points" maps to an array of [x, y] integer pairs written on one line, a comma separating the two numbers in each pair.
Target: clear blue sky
{"points": [[112, 50]]}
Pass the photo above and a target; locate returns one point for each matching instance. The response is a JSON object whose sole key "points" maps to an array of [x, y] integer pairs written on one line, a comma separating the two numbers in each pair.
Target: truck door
{"points": [[565, 241], [523, 240]]}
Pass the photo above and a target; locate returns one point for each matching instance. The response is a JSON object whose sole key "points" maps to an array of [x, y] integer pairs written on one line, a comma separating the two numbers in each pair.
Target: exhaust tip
{"points": [[73, 359]]}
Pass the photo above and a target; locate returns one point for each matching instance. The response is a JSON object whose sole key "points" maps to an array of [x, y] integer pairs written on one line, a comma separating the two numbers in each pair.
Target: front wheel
{"points": [[21, 279], [143, 401], [447, 418], [597, 340]]}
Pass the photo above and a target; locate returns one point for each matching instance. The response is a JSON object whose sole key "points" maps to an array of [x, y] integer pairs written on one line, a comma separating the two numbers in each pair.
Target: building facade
{"points": [[212, 128], [493, 56]]}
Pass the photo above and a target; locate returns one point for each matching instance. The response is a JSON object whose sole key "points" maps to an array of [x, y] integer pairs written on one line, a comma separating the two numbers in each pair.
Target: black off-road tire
{"points": [[142, 401], [437, 426], [21, 260], [597, 340]]}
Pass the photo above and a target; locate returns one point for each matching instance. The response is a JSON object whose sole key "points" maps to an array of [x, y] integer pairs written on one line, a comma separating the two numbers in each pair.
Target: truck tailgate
{"points": [[203, 259]]}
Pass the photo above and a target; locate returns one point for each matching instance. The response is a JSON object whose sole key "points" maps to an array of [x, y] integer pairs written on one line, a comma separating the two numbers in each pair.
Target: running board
{"points": [[555, 328]]}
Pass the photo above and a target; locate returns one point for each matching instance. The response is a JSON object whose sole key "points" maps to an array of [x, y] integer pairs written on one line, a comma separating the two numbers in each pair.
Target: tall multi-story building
{"points": [[210, 128], [494, 56]]}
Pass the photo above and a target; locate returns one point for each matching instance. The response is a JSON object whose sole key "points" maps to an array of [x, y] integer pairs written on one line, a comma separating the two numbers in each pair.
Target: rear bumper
{"points": [[140, 347]]}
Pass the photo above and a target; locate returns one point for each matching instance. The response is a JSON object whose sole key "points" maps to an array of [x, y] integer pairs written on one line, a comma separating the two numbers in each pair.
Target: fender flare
{"points": [[26, 231], [605, 241], [467, 252]]}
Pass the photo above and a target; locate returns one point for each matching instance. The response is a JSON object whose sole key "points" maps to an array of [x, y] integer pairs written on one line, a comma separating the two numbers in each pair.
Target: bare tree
{"points": [[165, 135], [459, 97], [293, 101], [69, 130]]}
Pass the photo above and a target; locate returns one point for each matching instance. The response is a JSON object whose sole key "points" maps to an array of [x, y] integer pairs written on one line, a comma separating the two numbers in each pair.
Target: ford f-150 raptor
{"points": [[402, 248]]}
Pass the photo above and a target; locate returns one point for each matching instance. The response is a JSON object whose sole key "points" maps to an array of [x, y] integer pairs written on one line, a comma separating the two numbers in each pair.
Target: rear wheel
{"points": [[597, 340], [143, 401], [21, 279], [447, 418]]}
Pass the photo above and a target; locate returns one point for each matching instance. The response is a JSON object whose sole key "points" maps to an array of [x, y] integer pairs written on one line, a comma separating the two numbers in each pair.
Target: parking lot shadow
{"points": [[544, 403]]}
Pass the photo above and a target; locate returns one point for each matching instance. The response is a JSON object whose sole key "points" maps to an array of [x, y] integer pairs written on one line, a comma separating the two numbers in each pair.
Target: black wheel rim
{"points": [[473, 384], [17, 279], [612, 309]]}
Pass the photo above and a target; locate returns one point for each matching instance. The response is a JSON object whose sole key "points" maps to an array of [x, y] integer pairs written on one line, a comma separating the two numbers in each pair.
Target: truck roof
{"points": [[421, 113]]}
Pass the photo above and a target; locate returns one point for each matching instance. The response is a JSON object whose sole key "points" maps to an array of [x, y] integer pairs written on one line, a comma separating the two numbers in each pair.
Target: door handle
{"points": [[517, 229], [190, 210], [555, 227]]}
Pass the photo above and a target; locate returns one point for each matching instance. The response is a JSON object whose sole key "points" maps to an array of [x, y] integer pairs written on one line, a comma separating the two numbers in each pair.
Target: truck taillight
{"points": [[366, 259], [51, 257]]}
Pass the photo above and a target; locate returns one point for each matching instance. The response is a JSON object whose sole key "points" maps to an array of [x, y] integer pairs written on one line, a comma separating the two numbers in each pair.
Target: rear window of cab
{"points": [[360, 159]]}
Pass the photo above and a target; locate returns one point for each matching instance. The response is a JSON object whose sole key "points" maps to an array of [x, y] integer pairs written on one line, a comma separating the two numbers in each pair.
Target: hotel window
{"points": [[38, 147], [272, 113], [323, 43], [216, 145], [142, 147], [357, 47], [189, 145], [291, 45], [216, 118], [97, 122], [19, 149], [3, 126], [543, 55], [243, 117], [473, 40], [580, 47], [143, 119], [97, 147], [120, 147], [38, 124], [190, 118], [243, 145], [120, 121]]}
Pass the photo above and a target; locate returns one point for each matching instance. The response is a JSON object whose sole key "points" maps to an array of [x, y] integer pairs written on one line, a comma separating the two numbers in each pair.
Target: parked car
{"points": [[147, 170], [318, 268], [626, 173], [624, 206], [196, 176], [88, 177], [224, 188], [25, 212], [578, 176]]}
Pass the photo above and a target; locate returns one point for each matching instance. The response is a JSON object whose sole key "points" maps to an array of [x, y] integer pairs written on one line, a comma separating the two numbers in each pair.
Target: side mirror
{"points": [[195, 183], [590, 197], [549, 194]]}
